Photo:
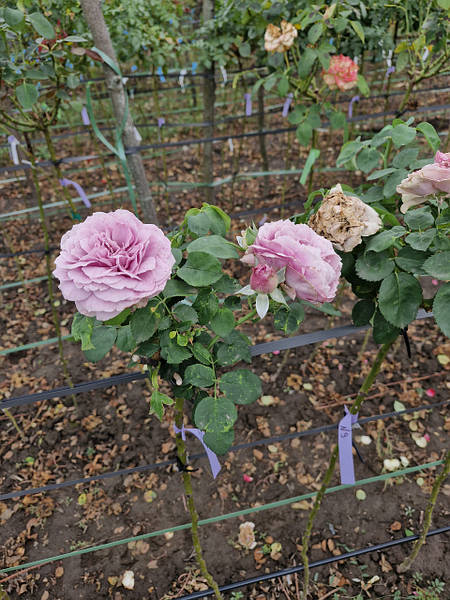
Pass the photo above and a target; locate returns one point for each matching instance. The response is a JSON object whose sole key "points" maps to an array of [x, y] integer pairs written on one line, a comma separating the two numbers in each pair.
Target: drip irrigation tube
{"points": [[225, 517], [256, 350], [318, 563], [193, 457], [221, 138]]}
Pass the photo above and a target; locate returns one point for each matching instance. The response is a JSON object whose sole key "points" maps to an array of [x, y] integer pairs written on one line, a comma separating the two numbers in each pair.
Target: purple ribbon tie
{"points": [[77, 186], [287, 104], [388, 72], [161, 121], [345, 447], [248, 105], [85, 116], [350, 106], [213, 460], [13, 143]]}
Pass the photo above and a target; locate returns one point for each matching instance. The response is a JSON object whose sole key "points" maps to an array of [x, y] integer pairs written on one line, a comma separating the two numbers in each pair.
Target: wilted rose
{"points": [[247, 535], [312, 266], [344, 219], [112, 261], [279, 40], [342, 73], [430, 179], [263, 279]]}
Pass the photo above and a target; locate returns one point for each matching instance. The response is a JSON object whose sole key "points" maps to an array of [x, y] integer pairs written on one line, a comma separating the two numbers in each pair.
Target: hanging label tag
{"points": [[230, 144], [224, 75], [138, 135], [212, 457], [350, 106], [85, 116], [13, 143], [248, 105], [287, 104], [81, 192], [181, 77], [345, 447]]}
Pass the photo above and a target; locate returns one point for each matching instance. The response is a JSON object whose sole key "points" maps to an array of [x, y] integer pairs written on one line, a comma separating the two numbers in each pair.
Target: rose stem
{"points": [[187, 483], [363, 390], [59, 174], [406, 564], [37, 192]]}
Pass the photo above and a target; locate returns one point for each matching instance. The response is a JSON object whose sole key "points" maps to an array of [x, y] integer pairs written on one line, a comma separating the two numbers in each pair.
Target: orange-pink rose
{"points": [[342, 73]]}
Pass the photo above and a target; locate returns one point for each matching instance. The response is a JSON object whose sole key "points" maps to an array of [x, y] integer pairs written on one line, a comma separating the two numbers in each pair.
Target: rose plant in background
{"points": [[168, 301]]}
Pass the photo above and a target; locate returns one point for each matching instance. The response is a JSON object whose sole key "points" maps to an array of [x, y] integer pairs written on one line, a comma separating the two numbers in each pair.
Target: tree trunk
{"points": [[209, 92], [93, 15]]}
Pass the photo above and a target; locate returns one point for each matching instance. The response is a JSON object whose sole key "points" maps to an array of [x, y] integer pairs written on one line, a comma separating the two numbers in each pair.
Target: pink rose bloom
{"points": [[112, 261], [342, 73], [312, 266], [430, 179], [263, 279]]}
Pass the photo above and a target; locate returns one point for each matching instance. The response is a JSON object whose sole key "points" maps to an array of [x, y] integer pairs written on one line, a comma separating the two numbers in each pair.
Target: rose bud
{"points": [[263, 279]]}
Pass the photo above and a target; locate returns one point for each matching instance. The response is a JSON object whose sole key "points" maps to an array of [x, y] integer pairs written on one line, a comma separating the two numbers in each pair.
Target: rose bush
{"points": [[112, 261], [312, 266]]}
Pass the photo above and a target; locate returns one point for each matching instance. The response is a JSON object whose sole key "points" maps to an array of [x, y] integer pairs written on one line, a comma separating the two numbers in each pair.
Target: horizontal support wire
{"points": [[256, 350], [318, 563], [193, 457], [270, 110], [221, 138], [224, 517]]}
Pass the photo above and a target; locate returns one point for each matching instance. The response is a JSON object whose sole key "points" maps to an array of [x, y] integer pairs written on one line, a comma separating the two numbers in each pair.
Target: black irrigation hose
{"points": [[270, 110], [256, 350], [245, 446], [222, 138], [317, 563], [34, 251]]}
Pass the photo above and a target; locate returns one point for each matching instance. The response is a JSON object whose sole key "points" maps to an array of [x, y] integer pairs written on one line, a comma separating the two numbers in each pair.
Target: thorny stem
{"points": [[187, 483], [363, 390], [406, 564]]}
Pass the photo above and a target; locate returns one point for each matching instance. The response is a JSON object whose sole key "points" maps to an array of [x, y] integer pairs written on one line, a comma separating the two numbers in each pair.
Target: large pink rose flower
{"points": [[112, 261], [342, 73], [312, 266], [430, 179]]}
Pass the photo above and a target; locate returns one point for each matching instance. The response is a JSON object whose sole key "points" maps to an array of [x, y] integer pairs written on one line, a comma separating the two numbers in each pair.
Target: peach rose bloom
{"points": [[341, 74]]}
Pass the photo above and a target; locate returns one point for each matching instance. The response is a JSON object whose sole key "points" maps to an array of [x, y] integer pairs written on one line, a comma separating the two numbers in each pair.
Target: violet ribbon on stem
{"points": [[350, 106], [161, 121], [66, 182], [85, 116], [248, 105], [213, 460], [287, 104], [13, 143], [345, 447]]}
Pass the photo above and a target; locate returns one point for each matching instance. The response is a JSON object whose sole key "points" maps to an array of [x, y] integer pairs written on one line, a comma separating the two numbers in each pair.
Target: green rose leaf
{"points": [[148, 348], [404, 158], [315, 32], [391, 183], [215, 245], [143, 324], [402, 134], [419, 218], [176, 287], [199, 223], [441, 310], [200, 269], [13, 16], [383, 332], [421, 240], [206, 305], [374, 266], [385, 239], [216, 415], [358, 30], [399, 298], [236, 347], [82, 328], [223, 322], [125, 340], [219, 441], [171, 351], [199, 376], [307, 60], [157, 402], [288, 319], [348, 151], [430, 135], [102, 339], [438, 266], [27, 95], [368, 159], [241, 386], [184, 312], [362, 85], [201, 353], [304, 133], [362, 312], [411, 260], [120, 318], [42, 25]]}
